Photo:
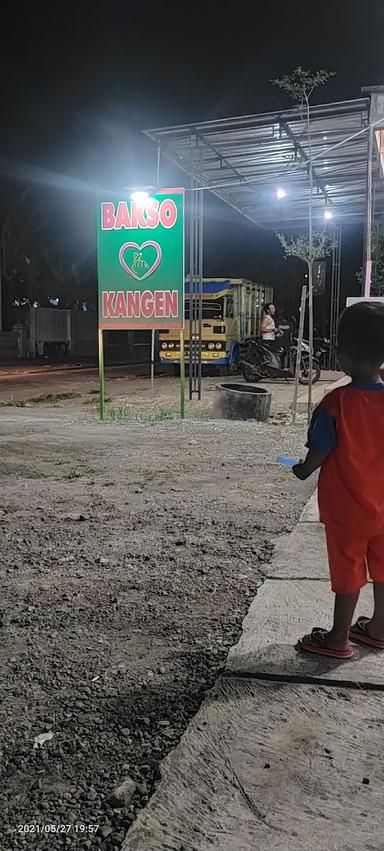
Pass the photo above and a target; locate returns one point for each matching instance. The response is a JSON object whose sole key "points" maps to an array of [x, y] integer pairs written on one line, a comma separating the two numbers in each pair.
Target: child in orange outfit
{"points": [[346, 441]]}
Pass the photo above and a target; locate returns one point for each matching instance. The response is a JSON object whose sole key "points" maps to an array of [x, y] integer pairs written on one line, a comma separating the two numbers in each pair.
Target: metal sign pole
{"points": [[153, 362], [200, 274], [182, 376], [101, 375], [191, 290], [153, 334]]}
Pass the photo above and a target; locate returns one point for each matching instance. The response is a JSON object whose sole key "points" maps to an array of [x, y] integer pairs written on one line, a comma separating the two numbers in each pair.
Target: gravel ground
{"points": [[130, 554]]}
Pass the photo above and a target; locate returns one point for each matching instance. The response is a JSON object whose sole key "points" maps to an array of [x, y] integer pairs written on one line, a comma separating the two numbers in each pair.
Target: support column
{"points": [[153, 333], [335, 294], [368, 221], [195, 274]]}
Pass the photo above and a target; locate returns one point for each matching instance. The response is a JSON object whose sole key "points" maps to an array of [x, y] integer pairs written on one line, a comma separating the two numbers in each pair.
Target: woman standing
{"points": [[268, 326]]}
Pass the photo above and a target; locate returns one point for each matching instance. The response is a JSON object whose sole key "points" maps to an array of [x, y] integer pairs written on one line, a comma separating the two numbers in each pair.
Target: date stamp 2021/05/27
{"points": [[40, 829]]}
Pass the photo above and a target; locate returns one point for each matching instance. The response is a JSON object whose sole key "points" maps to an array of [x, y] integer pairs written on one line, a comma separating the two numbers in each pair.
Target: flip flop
{"points": [[315, 643], [359, 633]]}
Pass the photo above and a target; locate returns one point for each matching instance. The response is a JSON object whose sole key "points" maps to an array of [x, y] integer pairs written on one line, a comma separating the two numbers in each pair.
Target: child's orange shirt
{"points": [[348, 425]]}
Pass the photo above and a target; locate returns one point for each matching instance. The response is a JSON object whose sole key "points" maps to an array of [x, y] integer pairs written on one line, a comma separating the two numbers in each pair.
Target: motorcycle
{"points": [[268, 359], [321, 350]]}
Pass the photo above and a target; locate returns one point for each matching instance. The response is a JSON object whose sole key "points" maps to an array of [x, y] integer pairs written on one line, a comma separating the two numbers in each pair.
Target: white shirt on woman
{"points": [[269, 328]]}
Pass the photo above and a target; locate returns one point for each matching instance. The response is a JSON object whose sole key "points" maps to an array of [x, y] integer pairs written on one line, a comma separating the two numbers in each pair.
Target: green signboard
{"points": [[140, 250]]}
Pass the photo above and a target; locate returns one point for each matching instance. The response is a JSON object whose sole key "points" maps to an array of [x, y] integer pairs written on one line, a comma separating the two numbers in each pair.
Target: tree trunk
{"points": [[310, 266], [298, 354]]}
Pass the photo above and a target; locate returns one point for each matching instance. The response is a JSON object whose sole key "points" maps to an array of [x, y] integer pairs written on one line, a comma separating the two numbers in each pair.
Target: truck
{"points": [[231, 312]]}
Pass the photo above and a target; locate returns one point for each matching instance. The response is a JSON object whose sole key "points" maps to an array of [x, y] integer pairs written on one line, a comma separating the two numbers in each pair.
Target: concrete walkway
{"points": [[332, 381], [287, 752]]}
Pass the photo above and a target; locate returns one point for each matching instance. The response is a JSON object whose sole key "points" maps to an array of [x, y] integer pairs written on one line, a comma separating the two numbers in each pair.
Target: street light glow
{"points": [[328, 215], [140, 197], [280, 193]]}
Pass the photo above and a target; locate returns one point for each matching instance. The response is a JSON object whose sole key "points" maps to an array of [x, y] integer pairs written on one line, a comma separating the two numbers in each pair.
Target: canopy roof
{"points": [[244, 160]]}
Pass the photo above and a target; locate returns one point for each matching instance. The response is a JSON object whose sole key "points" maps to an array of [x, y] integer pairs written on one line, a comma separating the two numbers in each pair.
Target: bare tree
{"points": [[301, 248], [299, 86]]}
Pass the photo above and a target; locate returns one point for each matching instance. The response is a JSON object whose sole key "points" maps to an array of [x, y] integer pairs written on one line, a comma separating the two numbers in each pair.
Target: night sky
{"points": [[78, 82]]}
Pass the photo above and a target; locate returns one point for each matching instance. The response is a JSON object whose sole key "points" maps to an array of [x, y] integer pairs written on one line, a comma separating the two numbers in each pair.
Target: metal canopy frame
{"points": [[244, 159]]}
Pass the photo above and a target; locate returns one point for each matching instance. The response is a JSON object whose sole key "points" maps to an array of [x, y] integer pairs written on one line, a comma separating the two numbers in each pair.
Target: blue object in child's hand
{"points": [[286, 461]]}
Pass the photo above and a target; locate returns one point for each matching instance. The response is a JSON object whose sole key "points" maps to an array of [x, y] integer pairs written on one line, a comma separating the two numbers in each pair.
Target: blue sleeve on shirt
{"points": [[322, 432]]}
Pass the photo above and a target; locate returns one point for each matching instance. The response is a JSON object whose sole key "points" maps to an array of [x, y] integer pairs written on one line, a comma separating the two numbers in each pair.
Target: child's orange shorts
{"points": [[352, 556]]}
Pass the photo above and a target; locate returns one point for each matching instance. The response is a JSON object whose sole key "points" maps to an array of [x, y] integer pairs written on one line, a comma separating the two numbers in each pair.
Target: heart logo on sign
{"points": [[137, 261]]}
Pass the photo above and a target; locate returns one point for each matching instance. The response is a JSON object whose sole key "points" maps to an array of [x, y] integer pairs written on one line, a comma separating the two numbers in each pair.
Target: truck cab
{"points": [[227, 311]]}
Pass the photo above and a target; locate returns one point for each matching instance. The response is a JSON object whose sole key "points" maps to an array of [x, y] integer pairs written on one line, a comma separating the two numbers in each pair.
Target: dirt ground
{"points": [[31, 384], [129, 556]]}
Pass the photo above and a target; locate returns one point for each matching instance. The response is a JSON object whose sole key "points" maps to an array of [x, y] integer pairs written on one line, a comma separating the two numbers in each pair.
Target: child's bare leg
{"points": [[345, 605], [376, 624]]}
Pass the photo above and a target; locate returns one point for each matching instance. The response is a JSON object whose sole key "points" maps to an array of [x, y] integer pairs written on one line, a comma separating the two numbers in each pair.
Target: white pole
{"points": [[298, 353], [368, 222], [310, 264]]}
